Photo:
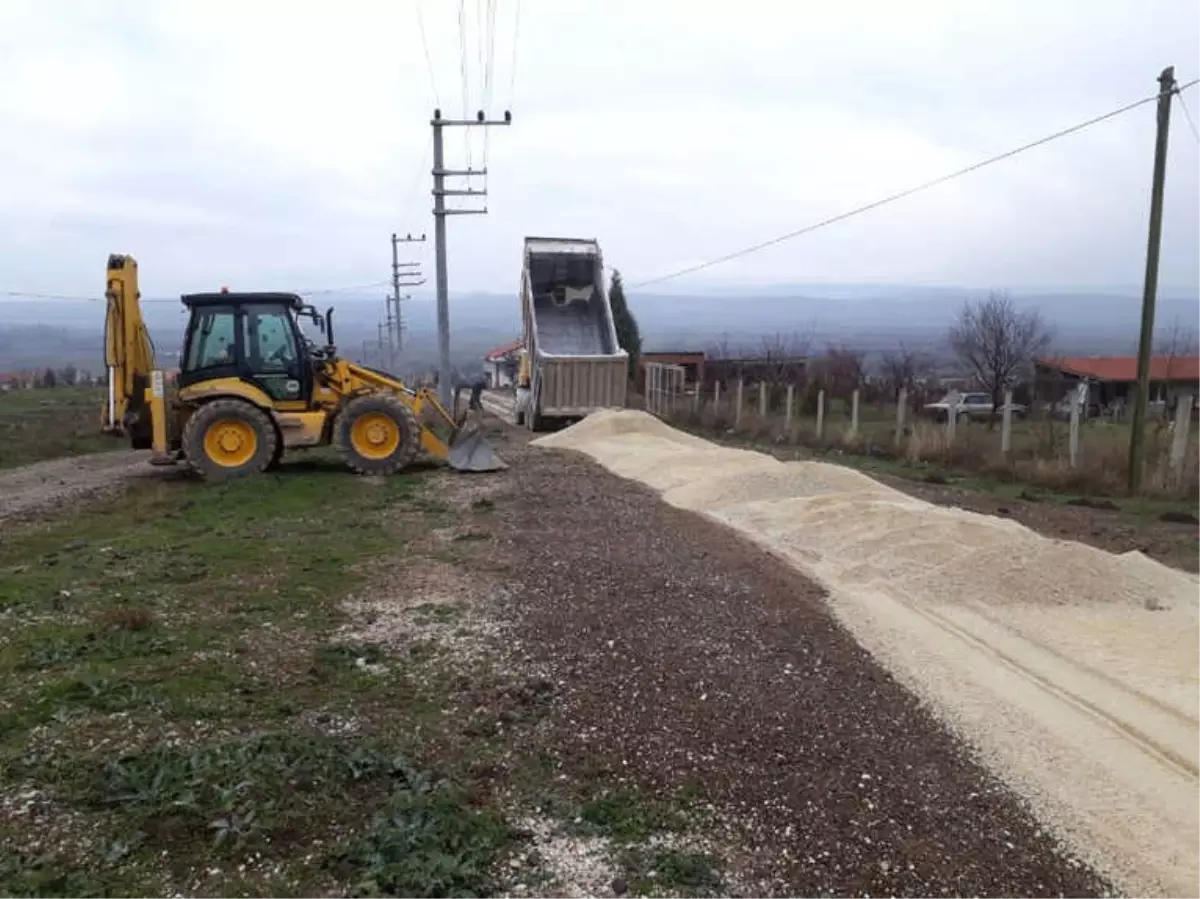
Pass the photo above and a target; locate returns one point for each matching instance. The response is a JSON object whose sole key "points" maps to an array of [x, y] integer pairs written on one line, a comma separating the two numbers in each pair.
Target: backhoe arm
{"points": [[135, 404]]}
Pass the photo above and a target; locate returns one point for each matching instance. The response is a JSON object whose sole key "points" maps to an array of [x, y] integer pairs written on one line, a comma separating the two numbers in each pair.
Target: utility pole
{"points": [[440, 192], [396, 285], [1141, 400]]}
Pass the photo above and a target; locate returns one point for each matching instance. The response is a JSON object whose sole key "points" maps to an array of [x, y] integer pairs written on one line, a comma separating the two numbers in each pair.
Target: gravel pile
{"points": [[684, 656]]}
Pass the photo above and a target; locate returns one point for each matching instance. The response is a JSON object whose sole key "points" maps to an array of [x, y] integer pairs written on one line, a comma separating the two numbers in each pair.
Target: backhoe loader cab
{"points": [[251, 386], [255, 337]]}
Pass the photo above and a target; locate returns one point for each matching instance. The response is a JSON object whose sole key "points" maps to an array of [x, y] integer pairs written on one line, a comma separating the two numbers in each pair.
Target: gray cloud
{"points": [[267, 145]]}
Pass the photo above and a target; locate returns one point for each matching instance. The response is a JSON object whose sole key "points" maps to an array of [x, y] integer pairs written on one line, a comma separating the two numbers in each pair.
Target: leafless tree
{"points": [[840, 369], [1176, 343], [998, 342], [900, 369]]}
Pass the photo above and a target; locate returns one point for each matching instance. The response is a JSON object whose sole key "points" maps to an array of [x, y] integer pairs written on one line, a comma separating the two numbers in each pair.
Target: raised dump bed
{"points": [[572, 363]]}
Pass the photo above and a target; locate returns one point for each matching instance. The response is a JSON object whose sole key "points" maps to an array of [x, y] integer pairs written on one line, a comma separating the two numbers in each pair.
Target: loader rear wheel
{"points": [[229, 439], [378, 434]]}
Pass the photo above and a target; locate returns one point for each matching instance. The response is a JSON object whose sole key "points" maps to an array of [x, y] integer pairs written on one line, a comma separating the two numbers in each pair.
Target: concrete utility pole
{"points": [[440, 192], [1141, 400], [396, 285]]}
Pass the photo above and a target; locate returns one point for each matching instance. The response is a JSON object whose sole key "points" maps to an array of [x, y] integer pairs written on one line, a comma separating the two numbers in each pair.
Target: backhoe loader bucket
{"points": [[470, 451]]}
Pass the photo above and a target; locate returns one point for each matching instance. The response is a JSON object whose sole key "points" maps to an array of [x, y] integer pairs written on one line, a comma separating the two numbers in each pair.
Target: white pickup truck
{"points": [[968, 407]]}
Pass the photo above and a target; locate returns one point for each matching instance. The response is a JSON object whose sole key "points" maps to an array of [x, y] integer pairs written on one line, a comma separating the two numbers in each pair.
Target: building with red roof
{"points": [[1111, 379], [501, 363]]}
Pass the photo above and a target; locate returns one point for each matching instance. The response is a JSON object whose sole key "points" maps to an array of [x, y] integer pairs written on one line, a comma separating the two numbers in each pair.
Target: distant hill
{"points": [[871, 317]]}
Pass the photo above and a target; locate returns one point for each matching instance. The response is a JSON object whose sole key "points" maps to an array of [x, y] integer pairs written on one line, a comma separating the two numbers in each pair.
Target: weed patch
{"points": [[627, 817], [236, 791], [44, 875], [687, 873], [428, 841]]}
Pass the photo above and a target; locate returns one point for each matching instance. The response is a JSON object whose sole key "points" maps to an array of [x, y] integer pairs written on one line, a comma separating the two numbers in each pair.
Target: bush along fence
{"points": [[1055, 446]]}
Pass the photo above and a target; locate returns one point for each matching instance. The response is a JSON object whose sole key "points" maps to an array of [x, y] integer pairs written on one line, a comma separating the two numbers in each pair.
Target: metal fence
{"points": [[664, 388]]}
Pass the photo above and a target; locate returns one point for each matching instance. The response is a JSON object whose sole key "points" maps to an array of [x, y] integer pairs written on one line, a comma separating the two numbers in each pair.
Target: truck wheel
{"points": [[228, 439], [377, 434]]}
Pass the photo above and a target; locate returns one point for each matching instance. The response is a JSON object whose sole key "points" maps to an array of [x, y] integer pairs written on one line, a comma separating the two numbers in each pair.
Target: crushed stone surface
{"points": [[1071, 671], [685, 657], [44, 486]]}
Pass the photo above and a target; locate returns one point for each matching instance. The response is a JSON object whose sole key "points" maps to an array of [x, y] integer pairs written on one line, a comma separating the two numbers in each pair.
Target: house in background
{"points": [[1112, 379], [501, 364]]}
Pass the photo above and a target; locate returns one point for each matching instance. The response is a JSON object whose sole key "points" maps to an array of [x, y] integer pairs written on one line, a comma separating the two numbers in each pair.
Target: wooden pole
{"points": [[820, 413], [854, 413], [1141, 398], [901, 408], [787, 413], [737, 405]]}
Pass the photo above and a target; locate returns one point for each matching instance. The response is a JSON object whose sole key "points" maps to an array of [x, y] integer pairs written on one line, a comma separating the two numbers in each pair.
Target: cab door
{"points": [[272, 354]]}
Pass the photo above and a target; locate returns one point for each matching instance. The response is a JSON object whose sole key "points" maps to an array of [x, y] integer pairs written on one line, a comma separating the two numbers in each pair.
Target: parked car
{"points": [[969, 407]]}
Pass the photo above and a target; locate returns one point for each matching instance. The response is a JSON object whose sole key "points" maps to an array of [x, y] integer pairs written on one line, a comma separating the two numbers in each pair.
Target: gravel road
{"points": [[686, 656], [43, 486]]}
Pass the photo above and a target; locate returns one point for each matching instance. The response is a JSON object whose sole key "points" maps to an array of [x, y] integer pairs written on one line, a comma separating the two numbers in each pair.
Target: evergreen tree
{"points": [[627, 327]]}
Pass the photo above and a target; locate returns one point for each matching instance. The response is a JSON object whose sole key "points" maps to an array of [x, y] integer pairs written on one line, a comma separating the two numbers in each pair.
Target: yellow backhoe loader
{"points": [[251, 386]]}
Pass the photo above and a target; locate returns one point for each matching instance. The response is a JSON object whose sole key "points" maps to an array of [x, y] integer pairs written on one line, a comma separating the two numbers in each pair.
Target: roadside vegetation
{"points": [[275, 687], [51, 423]]}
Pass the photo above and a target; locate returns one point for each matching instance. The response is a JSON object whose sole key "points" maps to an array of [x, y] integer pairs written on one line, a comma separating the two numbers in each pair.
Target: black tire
{"points": [[250, 446], [392, 452]]}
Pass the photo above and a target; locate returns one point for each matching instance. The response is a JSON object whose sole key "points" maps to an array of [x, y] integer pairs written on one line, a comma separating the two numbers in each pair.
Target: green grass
{"points": [[656, 872], [165, 656], [627, 817], [51, 423], [180, 694]]}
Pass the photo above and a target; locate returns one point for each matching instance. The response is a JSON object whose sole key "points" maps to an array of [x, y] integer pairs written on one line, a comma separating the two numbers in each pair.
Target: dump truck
{"points": [[571, 362]]}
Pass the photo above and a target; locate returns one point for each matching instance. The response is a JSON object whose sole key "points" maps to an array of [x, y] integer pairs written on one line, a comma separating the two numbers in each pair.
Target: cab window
{"points": [[269, 341], [212, 344]]}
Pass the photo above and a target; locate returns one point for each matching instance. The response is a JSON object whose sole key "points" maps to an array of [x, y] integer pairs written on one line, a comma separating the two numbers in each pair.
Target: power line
{"points": [[512, 76], [905, 193], [462, 64], [487, 76], [1187, 114], [59, 297], [428, 61]]}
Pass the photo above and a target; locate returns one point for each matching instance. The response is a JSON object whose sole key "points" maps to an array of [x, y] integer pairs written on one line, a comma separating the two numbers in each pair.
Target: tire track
{"points": [[42, 487]]}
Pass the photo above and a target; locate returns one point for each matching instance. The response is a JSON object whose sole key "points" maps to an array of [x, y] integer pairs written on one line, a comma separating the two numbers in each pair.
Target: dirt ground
{"points": [[683, 657], [43, 486]]}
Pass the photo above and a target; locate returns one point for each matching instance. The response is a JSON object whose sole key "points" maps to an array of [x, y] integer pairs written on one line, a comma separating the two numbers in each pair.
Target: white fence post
{"points": [[1006, 424], [854, 413], [787, 414], [1078, 398], [820, 413], [737, 405], [696, 400], [951, 415], [716, 397], [1179, 440], [901, 408], [762, 399]]}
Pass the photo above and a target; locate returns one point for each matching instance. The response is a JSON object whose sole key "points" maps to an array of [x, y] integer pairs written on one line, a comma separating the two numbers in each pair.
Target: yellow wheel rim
{"points": [[230, 443], [374, 435]]}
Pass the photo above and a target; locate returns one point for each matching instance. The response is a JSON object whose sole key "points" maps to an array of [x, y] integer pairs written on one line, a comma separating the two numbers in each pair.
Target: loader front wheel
{"points": [[378, 434], [228, 439]]}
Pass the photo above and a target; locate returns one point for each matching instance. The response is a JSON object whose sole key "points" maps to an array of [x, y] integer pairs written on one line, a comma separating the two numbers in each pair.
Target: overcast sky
{"points": [[276, 145]]}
